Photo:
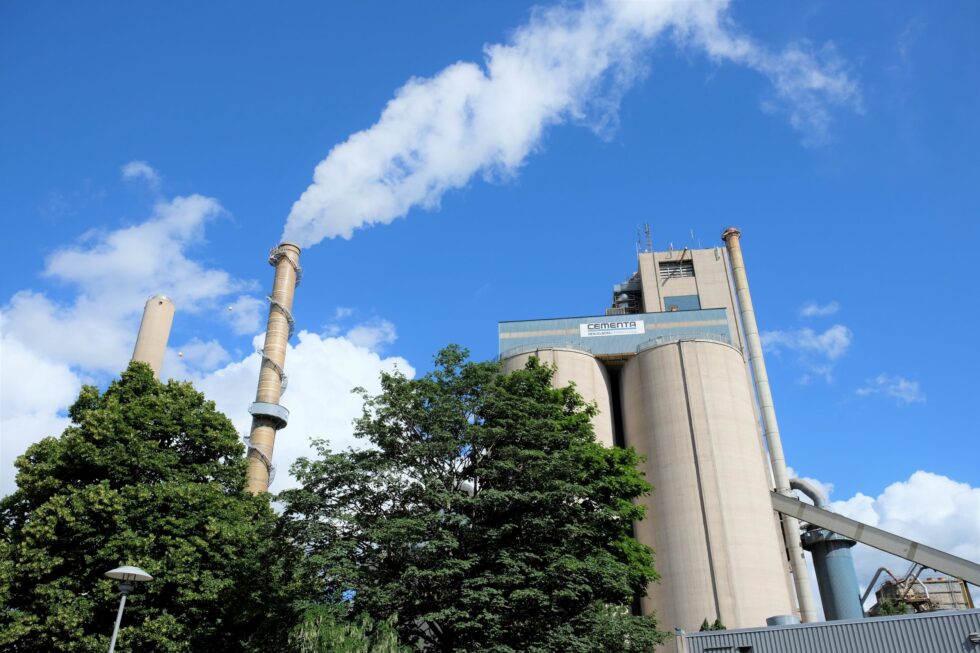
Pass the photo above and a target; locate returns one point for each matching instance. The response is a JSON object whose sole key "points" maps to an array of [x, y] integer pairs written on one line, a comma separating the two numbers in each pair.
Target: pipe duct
{"points": [[791, 526], [832, 562], [809, 489]]}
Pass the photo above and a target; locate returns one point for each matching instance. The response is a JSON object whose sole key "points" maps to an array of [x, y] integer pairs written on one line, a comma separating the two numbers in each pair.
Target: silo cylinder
{"points": [[590, 378], [687, 408]]}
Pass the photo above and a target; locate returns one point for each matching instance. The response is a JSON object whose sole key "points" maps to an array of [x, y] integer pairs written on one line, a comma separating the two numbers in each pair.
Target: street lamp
{"points": [[126, 576]]}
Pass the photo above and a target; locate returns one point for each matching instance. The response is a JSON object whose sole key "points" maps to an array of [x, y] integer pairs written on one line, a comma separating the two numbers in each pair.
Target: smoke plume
{"points": [[563, 65]]}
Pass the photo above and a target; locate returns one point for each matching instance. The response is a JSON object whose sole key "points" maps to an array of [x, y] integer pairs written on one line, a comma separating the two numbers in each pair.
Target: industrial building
{"points": [[921, 594], [676, 370], [665, 366], [931, 632]]}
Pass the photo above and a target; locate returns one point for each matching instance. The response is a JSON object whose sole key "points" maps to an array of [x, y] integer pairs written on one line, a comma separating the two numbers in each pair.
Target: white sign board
{"points": [[611, 328]]}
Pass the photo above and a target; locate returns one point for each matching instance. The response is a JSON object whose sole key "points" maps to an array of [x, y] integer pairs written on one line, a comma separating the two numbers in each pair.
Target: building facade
{"points": [[665, 364]]}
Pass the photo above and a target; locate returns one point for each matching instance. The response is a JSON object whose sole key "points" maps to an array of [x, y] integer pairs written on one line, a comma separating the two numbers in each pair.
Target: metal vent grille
{"points": [[676, 269]]}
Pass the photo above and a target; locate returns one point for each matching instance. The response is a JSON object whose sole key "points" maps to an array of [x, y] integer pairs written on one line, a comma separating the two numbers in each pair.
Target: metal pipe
{"points": [[267, 415], [809, 489], [151, 343], [899, 583], [124, 590], [832, 562], [915, 579], [791, 527], [874, 579]]}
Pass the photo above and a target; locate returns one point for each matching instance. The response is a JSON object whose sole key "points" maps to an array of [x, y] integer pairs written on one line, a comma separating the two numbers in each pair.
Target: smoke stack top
{"points": [[564, 65]]}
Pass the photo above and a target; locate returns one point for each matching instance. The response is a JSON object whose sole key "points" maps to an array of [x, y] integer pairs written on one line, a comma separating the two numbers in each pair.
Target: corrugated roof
{"points": [[932, 632]]}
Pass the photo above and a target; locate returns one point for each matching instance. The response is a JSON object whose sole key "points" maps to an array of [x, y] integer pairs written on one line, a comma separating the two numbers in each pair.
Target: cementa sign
{"points": [[611, 328]]}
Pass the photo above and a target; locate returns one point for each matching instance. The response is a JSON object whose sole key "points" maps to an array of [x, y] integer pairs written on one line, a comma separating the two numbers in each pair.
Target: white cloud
{"points": [[111, 275], [908, 38], [322, 372], [904, 391], [35, 392], [343, 312], [245, 315], [816, 352], [202, 355], [373, 335], [928, 508], [831, 344], [143, 171], [51, 346], [319, 368], [813, 309], [564, 65]]}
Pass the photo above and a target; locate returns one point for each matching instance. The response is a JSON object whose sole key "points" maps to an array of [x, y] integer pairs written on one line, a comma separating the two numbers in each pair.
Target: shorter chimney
{"points": [[151, 343]]}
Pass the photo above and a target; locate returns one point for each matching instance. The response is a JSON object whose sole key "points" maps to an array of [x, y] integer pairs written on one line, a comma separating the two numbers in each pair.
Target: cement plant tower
{"points": [[671, 366]]}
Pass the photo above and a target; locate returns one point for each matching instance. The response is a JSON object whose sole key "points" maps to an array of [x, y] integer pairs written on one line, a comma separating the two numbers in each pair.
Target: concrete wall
{"points": [[711, 282], [687, 407], [649, 283], [590, 378]]}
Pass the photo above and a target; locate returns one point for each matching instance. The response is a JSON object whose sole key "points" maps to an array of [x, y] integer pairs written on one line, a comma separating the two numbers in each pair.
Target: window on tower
{"points": [[676, 269]]}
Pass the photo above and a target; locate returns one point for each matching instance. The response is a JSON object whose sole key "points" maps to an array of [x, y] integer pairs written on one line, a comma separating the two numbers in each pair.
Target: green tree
{"points": [[484, 515], [148, 474], [889, 607], [330, 629], [716, 625]]}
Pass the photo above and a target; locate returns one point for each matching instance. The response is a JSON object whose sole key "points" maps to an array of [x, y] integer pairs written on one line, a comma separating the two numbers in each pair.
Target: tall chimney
{"points": [[791, 526], [267, 415], [151, 343]]}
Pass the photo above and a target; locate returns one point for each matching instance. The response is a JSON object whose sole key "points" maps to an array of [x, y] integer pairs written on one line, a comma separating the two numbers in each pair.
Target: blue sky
{"points": [[862, 199]]}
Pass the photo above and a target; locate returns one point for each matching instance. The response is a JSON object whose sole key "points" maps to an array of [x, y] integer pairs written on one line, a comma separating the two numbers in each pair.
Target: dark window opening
{"points": [[676, 269], [682, 303]]}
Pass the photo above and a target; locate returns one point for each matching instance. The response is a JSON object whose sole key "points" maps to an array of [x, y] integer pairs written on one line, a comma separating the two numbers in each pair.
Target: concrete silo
{"points": [[673, 359], [687, 407], [581, 368], [151, 343]]}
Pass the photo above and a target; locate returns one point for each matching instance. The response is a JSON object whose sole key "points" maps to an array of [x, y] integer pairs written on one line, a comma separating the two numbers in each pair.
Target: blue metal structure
{"points": [[836, 578], [611, 335]]}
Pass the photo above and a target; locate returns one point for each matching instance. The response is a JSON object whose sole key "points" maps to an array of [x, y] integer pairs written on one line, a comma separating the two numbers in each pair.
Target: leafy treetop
{"points": [[148, 474], [484, 516]]}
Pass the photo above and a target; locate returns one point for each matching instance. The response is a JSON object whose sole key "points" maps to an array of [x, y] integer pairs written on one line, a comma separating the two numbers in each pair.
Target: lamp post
{"points": [[126, 576]]}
